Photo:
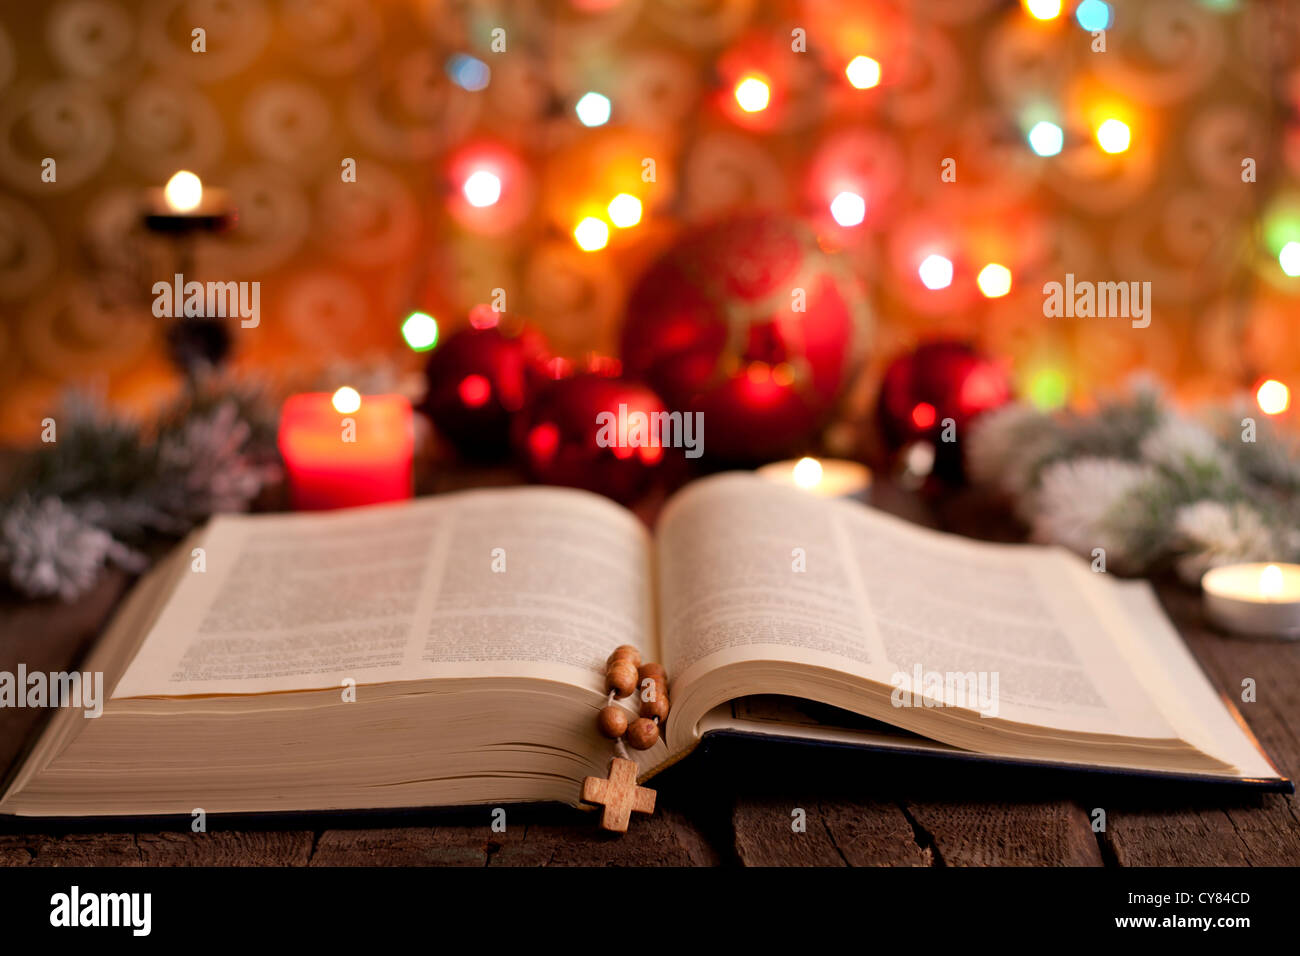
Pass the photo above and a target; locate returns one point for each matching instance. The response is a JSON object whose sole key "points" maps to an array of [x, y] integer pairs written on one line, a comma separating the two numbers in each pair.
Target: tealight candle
{"points": [[1257, 599], [826, 477], [186, 206], [346, 449]]}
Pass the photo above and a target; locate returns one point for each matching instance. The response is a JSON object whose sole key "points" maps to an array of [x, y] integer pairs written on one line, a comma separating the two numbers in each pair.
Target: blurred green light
{"points": [[420, 330], [1048, 388]]}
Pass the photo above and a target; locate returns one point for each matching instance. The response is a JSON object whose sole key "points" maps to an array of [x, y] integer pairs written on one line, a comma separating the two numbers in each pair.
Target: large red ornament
{"points": [[479, 378], [563, 439], [933, 394], [749, 322]]}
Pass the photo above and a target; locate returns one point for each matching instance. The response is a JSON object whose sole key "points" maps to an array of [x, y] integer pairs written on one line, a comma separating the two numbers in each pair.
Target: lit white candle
{"points": [[1259, 599], [185, 205], [826, 477], [183, 192]]}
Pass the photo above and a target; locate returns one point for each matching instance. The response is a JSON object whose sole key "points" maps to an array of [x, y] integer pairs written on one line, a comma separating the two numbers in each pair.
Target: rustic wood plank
{"points": [[181, 848], [48, 636], [1233, 830], [665, 839], [838, 833], [1047, 833]]}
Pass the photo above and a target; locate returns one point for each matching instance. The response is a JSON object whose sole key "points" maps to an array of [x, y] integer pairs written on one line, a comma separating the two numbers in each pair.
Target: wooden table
{"points": [[871, 815]]}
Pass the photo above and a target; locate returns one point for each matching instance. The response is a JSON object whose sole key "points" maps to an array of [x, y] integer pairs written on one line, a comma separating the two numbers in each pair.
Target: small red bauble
{"points": [[749, 322], [479, 378], [933, 394], [564, 439]]}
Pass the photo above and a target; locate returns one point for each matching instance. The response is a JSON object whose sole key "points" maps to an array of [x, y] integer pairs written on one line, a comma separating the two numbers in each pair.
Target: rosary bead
{"points": [[655, 708], [642, 733], [612, 721], [624, 652], [660, 689], [651, 669], [621, 678]]}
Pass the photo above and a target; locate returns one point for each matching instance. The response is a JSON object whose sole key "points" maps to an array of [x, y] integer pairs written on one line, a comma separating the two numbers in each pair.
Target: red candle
{"points": [[343, 449]]}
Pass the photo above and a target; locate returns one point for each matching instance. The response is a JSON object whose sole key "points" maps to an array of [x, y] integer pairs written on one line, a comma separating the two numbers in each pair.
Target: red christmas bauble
{"points": [[749, 322], [933, 393], [479, 378], [582, 432]]}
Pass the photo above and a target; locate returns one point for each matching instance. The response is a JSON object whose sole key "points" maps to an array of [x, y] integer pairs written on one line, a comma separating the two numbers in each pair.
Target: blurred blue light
{"points": [[1093, 15], [469, 73]]}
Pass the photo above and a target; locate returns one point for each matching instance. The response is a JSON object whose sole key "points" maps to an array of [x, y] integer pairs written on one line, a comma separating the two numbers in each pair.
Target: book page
{"points": [[498, 583], [752, 571]]}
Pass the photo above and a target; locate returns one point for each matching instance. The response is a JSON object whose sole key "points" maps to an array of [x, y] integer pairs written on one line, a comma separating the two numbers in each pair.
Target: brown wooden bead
{"points": [[612, 721], [655, 708], [624, 652], [651, 669], [621, 678], [642, 733], [660, 689]]}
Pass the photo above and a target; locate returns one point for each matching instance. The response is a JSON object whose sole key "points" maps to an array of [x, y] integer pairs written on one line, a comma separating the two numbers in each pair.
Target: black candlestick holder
{"points": [[196, 345]]}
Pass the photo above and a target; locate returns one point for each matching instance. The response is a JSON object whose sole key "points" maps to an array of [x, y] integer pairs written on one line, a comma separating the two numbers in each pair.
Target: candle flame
{"points": [[1270, 581], [346, 400], [184, 192], [807, 472]]}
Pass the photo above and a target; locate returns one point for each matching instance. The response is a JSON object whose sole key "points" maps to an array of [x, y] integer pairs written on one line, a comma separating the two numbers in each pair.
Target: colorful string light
{"points": [[482, 188], [591, 234], [593, 109], [1046, 138], [1288, 257], [753, 94], [624, 210], [420, 331], [1273, 397], [848, 209], [863, 72], [994, 280], [935, 271], [1114, 136]]}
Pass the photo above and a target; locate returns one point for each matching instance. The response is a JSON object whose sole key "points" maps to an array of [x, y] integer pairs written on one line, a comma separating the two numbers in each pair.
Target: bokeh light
{"points": [[1046, 138], [1048, 388], [1042, 9], [935, 271], [482, 188], [1113, 136], [1288, 258], [420, 331], [994, 280], [863, 72], [593, 109], [1093, 15], [1273, 397], [468, 72], [752, 94], [848, 209], [591, 234], [624, 210]]}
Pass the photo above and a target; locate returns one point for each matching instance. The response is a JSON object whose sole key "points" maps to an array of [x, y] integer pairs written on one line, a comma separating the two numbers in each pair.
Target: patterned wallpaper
{"points": [[112, 90]]}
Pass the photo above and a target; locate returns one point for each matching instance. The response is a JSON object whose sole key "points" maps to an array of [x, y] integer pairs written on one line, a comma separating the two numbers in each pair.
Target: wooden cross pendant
{"points": [[619, 795]]}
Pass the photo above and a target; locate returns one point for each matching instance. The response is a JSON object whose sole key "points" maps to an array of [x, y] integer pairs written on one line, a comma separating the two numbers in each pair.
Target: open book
{"points": [[451, 651]]}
